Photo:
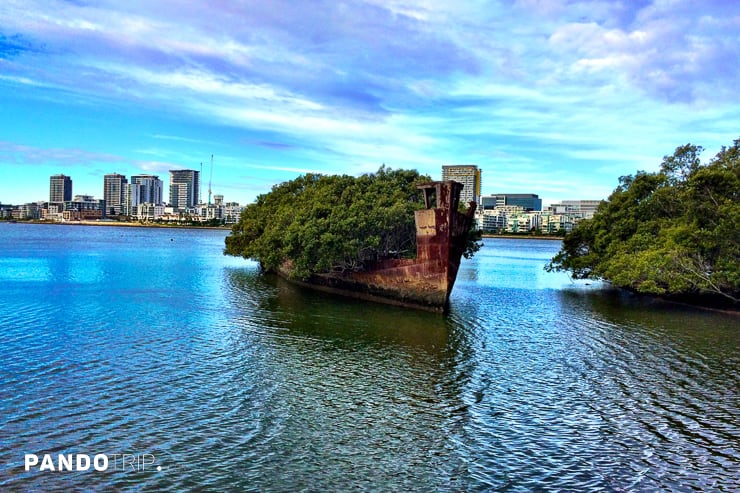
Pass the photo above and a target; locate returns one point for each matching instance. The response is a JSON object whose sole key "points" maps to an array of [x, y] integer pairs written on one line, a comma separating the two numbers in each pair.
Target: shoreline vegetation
{"points": [[672, 234]]}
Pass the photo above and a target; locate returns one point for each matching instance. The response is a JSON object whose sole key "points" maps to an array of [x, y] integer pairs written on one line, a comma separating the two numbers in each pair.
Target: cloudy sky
{"points": [[554, 97]]}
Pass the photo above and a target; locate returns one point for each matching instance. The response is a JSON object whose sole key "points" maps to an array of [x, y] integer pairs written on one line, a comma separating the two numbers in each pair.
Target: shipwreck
{"points": [[424, 282]]}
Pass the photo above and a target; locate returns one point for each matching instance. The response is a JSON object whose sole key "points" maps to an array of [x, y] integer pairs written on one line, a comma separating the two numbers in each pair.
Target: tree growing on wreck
{"points": [[330, 223], [675, 232]]}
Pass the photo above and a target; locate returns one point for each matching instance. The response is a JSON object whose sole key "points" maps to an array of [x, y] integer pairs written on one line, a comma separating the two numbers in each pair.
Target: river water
{"points": [[192, 371]]}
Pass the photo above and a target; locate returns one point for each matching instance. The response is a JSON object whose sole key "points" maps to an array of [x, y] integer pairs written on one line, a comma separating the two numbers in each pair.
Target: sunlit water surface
{"points": [[150, 341]]}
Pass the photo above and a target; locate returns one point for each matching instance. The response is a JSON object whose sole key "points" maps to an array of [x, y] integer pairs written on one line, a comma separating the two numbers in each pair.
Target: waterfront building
{"points": [[495, 219], [232, 212], [582, 208], [60, 188], [226, 212], [208, 212], [82, 208], [528, 201], [515, 219], [147, 211], [152, 188], [113, 192], [184, 188], [556, 223], [523, 222], [467, 174], [31, 210], [553, 223], [52, 211]]}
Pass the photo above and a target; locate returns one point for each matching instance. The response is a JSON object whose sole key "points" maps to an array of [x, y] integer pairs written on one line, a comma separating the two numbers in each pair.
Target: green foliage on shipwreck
{"points": [[330, 223], [675, 232]]}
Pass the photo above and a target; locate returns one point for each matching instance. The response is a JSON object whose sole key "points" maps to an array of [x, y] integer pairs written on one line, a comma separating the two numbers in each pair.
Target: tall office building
{"points": [[467, 174], [60, 188], [184, 185], [152, 188], [113, 193]]}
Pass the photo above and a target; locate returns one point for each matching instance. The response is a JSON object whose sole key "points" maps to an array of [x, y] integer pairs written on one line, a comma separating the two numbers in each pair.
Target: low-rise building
{"points": [[83, 208], [149, 211], [523, 222], [30, 210], [584, 209], [559, 223], [6, 211], [232, 212], [495, 219]]}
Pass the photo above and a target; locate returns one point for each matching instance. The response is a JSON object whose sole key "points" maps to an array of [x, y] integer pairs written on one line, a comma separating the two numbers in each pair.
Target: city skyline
{"points": [[147, 188], [151, 188], [546, 96]]}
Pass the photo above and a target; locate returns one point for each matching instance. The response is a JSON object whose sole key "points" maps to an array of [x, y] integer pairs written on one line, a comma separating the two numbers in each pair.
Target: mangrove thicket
{"points": [[674, 232], [330, 223]]}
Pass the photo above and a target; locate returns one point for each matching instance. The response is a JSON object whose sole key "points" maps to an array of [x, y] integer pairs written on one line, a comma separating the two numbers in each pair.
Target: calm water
{"points": [[149, 342]]}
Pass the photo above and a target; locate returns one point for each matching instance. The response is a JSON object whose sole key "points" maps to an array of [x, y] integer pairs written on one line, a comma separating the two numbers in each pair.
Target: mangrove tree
{"points": [[674, 232]]}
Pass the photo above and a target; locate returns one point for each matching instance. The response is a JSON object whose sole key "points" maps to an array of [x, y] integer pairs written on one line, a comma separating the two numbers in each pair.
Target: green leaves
{"points": [[331, 223], [674, 232]]}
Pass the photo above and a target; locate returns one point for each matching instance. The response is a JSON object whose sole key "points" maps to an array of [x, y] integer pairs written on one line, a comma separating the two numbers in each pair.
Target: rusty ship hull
{"points": [[424, 282]]}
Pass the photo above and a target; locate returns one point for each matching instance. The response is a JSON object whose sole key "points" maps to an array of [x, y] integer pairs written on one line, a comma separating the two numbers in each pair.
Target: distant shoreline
{"points": [[188, 226], [116, 223], [525, 237]]}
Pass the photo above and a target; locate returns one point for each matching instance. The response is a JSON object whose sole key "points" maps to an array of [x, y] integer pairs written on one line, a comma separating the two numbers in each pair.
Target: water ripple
{"points": [[236, 380]]}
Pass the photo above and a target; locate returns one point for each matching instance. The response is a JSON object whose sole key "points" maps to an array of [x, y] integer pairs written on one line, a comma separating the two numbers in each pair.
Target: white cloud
{"points": [[540, 85]]}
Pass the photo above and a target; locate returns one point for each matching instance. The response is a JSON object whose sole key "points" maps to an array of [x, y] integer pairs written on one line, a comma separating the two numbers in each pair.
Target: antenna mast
{"points": [[200, 195], [210, 178]]}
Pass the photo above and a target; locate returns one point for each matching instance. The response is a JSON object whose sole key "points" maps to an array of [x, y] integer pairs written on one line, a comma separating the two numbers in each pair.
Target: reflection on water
{"points": [[149, 341], [364, 391]]}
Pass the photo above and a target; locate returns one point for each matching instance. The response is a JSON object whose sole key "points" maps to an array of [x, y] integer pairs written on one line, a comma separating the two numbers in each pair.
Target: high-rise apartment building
{"points": [[131, 198], [60, 188], [467, 174], [184, 188], [152, 188], [113, 192]]}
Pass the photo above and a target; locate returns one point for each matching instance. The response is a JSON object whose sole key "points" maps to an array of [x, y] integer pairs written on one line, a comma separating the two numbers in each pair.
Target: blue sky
{"points": [[553, 97]]}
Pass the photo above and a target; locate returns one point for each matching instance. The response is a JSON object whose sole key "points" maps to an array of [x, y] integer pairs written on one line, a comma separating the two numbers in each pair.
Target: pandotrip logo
{"points": [[91, 462]]}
